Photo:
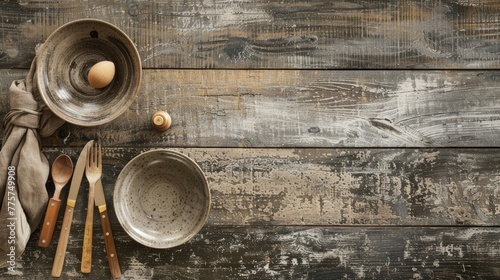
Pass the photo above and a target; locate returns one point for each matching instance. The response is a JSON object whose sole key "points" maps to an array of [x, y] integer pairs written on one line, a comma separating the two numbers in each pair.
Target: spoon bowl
{"points": [[62, 169]]}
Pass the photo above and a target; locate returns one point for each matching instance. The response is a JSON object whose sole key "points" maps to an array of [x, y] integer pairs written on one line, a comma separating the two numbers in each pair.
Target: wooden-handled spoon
{"points": [[62, 169]]}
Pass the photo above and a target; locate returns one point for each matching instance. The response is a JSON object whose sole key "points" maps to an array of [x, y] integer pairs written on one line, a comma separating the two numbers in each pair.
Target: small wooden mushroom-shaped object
{"points": [[161, 120]]}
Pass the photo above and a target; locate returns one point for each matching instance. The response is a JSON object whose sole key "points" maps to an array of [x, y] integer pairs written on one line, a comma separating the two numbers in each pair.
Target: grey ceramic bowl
{"points": [[64, 60], [161, 198]]}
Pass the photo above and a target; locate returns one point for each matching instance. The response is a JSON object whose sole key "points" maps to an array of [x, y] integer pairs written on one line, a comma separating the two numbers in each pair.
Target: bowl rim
{"points": [[39, 73], [123, 221]]}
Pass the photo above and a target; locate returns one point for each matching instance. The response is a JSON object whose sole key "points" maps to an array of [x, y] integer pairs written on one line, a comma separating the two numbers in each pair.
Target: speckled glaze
{"points": [[64, 60], [162, 198]]}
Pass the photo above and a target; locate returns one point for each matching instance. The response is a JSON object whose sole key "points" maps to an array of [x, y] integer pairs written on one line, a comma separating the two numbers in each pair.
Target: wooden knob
{"points": [[161, 120]]}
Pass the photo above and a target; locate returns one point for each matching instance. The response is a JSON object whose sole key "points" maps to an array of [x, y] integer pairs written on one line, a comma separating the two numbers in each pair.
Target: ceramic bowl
{"points": [[63, 62], [161, 198]]}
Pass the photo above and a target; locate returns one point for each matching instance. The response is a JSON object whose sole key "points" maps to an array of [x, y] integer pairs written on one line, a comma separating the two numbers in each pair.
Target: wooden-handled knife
{"points": [[100, 202], [68, 214]]}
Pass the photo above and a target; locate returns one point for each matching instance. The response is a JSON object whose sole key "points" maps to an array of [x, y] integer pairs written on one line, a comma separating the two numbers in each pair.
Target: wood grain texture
{"points": [[49, 222], [342, 139], [300, 108], [390, 187], [314, 34], [109, 244], [295, 253], [64, 237]]}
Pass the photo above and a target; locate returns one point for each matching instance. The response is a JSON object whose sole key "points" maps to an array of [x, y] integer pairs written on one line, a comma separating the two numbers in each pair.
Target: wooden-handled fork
{"points": [[93, 171]]}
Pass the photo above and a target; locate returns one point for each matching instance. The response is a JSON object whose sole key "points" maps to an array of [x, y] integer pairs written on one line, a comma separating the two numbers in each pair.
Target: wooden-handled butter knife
{"points": [[68, 214], [100, 202]]}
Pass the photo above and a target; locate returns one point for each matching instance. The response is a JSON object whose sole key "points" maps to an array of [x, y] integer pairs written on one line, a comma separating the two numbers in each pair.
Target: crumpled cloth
{"points": [[24, 195]]}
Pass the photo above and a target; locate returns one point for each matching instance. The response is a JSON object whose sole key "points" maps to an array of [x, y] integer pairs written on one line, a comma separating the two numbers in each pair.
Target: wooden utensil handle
{"points": [[109, 242], [49, 222], [63, 241], [86, 266]]}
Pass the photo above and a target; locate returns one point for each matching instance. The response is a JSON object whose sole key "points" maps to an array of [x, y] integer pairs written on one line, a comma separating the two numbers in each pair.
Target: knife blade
{"points": [[68, 213], [100, 202], [76, 181]]}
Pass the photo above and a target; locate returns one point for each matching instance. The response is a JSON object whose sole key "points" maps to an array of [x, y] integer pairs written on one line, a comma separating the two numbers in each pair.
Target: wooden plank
{"points": [[265, 187], [300, 108], [313, 34], [291, 253]]}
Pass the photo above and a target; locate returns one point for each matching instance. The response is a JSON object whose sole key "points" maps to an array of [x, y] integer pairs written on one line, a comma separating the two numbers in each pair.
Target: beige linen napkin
{"points": [[23, 167]]}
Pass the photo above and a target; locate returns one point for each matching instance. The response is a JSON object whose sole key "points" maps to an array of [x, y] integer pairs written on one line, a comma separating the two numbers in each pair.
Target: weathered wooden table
{"points": [[341, 139]]}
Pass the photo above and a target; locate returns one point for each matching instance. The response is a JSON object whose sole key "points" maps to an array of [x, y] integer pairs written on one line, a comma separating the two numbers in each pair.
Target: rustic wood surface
{"points": [[300, 108], [284, 187], [341, 139], [275, 34], [315, 214]]}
